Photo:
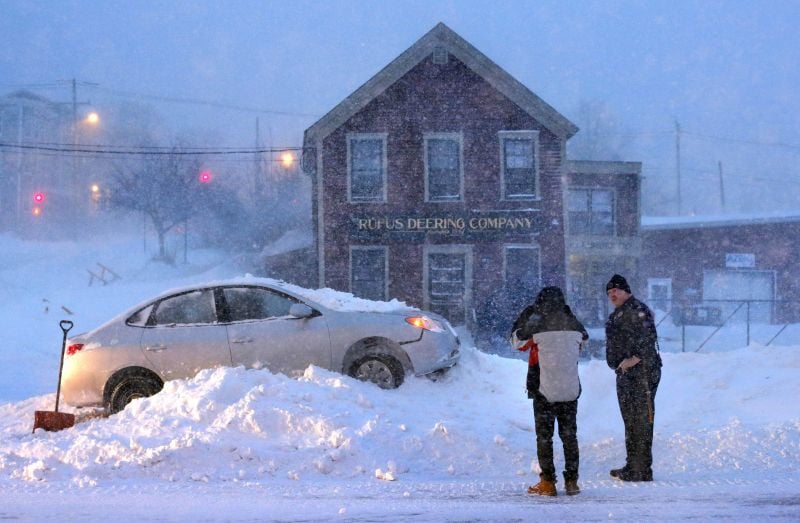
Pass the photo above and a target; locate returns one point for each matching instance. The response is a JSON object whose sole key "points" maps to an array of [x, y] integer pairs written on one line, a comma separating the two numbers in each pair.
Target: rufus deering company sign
{"points": [[412, 227]]}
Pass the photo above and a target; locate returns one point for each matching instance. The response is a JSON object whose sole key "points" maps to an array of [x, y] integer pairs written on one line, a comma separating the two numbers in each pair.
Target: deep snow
{"points": [[232, 444]]}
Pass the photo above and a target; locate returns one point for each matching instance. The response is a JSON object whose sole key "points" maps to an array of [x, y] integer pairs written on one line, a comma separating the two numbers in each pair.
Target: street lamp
{"points": [[81, 127], [287, 159], [92, 118], [95, 188]]}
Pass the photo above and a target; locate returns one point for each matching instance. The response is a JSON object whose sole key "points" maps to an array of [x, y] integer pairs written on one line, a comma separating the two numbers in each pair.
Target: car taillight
{"points": [[74, 348], [423, 322]]}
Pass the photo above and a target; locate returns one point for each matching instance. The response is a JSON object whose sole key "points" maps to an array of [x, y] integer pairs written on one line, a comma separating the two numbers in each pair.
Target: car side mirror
{"points": [[301, 310]]}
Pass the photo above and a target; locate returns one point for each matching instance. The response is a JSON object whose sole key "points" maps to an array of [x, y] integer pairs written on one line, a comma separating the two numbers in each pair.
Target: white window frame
{"points": [[613, 192], [351, 137], [529, 135], [520, 246], [458, 137], [466, 250], [385, 250]]}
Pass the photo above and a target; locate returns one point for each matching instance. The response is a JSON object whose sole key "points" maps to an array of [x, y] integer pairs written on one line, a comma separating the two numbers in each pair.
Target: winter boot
{"points": [[633, 475], [543, 488], [572, 488], [616, 472]]}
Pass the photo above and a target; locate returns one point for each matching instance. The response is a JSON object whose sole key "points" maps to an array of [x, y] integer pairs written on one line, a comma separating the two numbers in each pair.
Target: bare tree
{"points": [[598, 138], [161, 186]]}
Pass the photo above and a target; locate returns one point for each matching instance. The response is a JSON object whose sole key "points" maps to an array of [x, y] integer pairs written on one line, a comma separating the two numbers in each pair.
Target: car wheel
{"points": [[381, 369], [132, 388]]}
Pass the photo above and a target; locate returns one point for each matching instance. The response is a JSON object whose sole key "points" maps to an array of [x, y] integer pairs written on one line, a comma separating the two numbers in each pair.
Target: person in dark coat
{"points": [[553, 335], [632, 351]]}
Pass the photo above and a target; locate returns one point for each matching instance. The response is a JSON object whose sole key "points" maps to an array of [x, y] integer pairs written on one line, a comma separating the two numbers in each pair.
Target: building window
{"points": [[591, 212], [659, 293], [447, 280], [443, 167], [368, 268], [366, 160], [523, 273], [518, 153]]}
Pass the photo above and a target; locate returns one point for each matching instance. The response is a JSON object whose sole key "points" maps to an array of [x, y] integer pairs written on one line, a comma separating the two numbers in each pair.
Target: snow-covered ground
{"points": [[240, 445]]}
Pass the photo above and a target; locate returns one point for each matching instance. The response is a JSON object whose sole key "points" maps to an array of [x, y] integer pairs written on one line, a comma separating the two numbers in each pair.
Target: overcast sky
{"points": [[727, 71]]}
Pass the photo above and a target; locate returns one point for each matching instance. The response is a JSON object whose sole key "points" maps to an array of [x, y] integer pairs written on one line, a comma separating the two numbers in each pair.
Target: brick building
{"points": [[439, 182], [603, 233], [443, 182], [710, 266]]}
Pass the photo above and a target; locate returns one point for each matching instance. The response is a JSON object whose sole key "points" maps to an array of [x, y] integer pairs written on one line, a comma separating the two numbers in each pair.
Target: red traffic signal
{"points": [[38, 197], [205, 176]]}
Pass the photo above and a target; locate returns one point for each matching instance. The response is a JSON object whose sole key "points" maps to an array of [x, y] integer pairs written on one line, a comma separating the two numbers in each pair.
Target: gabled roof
{"points": [[443, 36], [28, 95]]}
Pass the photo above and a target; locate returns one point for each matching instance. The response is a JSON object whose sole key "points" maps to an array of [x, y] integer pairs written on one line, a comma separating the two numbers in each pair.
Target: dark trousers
{"points": [[545, 415], [636, 392]]}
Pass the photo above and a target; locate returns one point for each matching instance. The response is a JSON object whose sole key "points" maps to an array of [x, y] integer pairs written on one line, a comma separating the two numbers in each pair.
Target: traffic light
{"points": [[38, 201]]}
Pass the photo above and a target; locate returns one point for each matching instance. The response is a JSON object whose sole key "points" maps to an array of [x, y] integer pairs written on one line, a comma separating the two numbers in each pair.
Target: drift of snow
{"points": [[235, 444]]}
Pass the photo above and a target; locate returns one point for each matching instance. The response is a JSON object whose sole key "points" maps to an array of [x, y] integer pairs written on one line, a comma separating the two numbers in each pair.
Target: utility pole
{"points": [[75, 185], [721, 187], [678, 162], [258, 180], [19, 166], [74, 177]]}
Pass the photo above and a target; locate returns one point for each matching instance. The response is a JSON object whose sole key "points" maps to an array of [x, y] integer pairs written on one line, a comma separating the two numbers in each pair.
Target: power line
{"points": [[161, 98], [107, 158], [157, 147], [197, 101], [705, 173], [133, 151], [743, 141]]}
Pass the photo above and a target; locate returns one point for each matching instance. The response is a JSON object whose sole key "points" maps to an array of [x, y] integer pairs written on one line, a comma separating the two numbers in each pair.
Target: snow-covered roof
{"points": [[443, 36], [656, 223]]}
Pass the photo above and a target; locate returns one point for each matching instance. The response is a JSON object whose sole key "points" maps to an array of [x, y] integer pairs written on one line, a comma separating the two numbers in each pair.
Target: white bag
{"points": [[558, 364]]}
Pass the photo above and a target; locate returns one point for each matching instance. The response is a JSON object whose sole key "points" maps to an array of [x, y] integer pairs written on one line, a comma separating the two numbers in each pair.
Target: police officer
{"points": [[631, 350]]}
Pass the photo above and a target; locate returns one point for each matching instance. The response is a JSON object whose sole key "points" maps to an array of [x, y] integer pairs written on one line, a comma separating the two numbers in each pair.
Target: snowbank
{"points": [[716, 414]]}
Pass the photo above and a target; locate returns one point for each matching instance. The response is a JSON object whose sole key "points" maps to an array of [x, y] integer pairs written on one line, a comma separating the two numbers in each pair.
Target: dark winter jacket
{"points": [[631, 331], [548, 313]]}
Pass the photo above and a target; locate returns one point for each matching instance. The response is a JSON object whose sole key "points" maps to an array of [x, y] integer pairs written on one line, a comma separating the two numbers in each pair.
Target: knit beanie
{"points": [[618, 282]]}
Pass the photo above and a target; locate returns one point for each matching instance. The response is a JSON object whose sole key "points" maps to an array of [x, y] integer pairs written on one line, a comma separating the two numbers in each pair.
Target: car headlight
{"points": [[425, 323]]}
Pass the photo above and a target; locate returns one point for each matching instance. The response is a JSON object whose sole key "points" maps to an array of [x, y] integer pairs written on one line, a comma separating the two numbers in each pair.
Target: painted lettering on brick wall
{"points": [[443, 224]]}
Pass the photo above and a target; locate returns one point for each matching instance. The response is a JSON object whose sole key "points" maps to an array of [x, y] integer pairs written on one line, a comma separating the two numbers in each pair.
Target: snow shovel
{"points": [[53, 421]]}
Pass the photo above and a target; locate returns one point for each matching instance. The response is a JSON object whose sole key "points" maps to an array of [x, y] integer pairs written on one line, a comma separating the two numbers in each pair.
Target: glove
{"points": [[515, 341]]}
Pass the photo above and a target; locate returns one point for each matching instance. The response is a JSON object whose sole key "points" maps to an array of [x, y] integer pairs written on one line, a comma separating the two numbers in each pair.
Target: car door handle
{"points": [[242, 340], [155, 348]]}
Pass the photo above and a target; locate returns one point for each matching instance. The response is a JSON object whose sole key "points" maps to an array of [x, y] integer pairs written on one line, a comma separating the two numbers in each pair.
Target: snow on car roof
{"points": [[328, 298]]}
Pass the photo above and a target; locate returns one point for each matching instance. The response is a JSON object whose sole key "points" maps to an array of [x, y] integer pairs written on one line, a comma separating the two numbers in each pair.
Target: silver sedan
{"points": [[261, 324]]}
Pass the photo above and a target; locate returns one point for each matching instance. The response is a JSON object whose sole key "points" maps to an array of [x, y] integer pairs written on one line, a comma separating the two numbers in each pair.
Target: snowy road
{"points": [[604, 500]]}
